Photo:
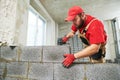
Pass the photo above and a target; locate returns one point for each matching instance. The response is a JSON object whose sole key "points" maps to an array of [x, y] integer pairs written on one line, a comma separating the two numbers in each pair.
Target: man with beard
{"points": [[91, 33]]}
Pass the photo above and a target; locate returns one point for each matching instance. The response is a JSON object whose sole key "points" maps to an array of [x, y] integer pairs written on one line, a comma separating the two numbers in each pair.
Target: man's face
{"points": [[78, 21]]}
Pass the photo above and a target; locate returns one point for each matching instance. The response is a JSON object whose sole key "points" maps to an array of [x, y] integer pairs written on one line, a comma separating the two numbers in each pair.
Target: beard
{"points": [[82, 22]]}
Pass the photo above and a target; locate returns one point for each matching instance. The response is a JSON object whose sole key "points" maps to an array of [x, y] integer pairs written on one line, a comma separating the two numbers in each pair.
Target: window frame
{"points": [[114, 25], [38, 16]]}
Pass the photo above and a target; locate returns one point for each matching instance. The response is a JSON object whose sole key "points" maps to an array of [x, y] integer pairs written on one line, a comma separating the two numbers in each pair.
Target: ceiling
{"points": [[103, 9]]}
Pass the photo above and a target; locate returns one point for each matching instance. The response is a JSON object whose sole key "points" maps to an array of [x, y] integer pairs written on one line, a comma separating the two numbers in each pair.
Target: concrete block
{"points": [[54, 53], [76, 72], [103, 72], [86, 59], [87, 72], [41, 71], [82, 60], [9, 53], [61, 73], [14, 78], [0, 51], [1, 78], [80, 72], [1, 72], [117, 60], [9, 78], [31, 53], [17, 69], [2, 67]]}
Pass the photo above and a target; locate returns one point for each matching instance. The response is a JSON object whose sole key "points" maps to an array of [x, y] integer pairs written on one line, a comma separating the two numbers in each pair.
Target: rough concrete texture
{"points": [[0, 51], [17, 69], [31, 53], [21, 24], [54, 54], [103, 72], [13, 19], [2, 66], [10, 78], [50, 67], [97, 8], [61, 73], [41, 71], [117, 60], [7, 20], [9, 53], [13, 78]]}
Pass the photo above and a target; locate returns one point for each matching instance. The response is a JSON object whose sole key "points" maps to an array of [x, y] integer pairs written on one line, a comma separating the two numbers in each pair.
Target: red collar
{"points": [[88, 19]]}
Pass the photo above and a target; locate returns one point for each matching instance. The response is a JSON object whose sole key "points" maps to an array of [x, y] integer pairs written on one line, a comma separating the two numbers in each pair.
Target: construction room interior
{"points": [[29, 33]]}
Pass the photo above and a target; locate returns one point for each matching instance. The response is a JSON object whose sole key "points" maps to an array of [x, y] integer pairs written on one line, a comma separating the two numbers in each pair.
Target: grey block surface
{"points": [[54, 53], [51, 67], [8, 53], [2, 67], [10, 78], [0, 51], [1, 72], [117, 60], [61, 73], [76, 72], [87, 72], [80, 73], [1, 77], [86, 59], [17, 69], [30, 53], [14, 78], [103, 72], [41, 71]]}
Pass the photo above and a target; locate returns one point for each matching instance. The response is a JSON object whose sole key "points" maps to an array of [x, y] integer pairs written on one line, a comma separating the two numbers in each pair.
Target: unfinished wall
{"points": [[45, 63]]}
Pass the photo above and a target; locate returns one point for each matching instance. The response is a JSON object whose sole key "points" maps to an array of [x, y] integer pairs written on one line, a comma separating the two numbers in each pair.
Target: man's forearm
{"points": [[88, 51], [70, 34]]}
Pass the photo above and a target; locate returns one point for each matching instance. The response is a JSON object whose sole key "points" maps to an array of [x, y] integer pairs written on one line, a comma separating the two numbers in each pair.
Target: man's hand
{"points": [[65, 39], [69, 58], [62, 41]]}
